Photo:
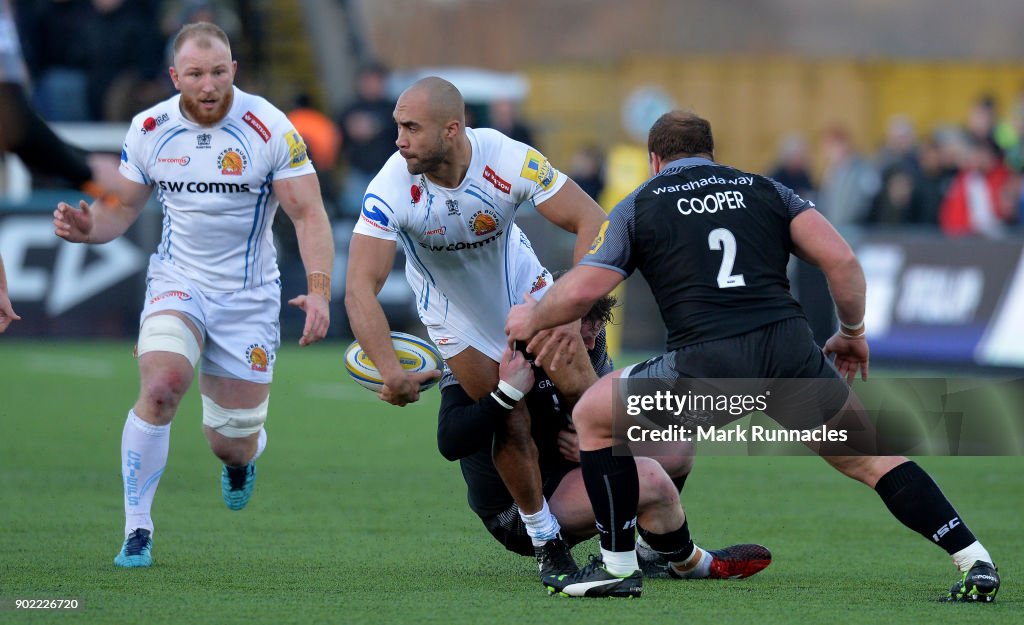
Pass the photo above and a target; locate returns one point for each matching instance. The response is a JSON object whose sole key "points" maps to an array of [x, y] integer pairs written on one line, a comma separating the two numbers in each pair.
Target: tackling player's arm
{"points": [[7, 314], [301, 200], [817, 242], [369, 263], [568, 299], [572, 210], [103, 220]]}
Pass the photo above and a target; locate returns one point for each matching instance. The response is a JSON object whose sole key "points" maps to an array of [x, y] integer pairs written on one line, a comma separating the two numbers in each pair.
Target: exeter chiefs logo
{"points": [[258, 357], [232, 162], [540, 282], [483, 222]]}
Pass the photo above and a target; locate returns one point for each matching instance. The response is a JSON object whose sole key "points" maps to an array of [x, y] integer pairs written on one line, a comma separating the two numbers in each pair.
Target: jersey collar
{"points": [[689, 161]]}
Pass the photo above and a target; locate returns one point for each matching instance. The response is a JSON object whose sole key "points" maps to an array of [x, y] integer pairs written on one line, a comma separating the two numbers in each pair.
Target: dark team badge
{"points": [[483, 222], [203, 141], [453, 207]]}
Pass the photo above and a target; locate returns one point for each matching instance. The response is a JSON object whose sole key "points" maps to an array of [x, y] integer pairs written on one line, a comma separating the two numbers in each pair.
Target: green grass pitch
{"points": [[356, 518]]}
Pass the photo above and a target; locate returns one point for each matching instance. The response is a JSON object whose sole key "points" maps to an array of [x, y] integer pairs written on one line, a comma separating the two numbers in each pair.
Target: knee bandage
{"points": [[168, 333], [234, 422]]}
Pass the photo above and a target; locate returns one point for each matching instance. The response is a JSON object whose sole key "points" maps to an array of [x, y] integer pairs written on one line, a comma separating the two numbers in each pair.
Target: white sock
{"points": [[542, 526], [620, 563], [143, 458], [697, 566], [966, 557], [261, 444]]}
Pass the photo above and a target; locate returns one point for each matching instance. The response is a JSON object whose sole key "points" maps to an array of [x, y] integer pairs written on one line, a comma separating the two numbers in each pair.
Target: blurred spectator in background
{"points": [[504, 117], [893, 205], [981, 119], [931, 183], [176, 13], [983, 197], [323, 139], [849, 184], [900, 147], [587, 169], [96, 60], [369, 133], [60, 92], [1010, 136], [791, 168]]}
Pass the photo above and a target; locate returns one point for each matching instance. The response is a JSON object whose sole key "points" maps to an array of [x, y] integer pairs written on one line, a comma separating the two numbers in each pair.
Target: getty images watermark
{"points": [[891, 416]]}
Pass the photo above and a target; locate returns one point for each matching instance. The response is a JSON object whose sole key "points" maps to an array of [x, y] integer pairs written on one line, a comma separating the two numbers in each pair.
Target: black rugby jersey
{"points": [[713, 243], [465, 431]]}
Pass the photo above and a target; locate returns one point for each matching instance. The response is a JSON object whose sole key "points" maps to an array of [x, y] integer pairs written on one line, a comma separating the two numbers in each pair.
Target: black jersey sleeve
{"points": [[613, 247], [464, 427], [794, 203], [24, 133]]}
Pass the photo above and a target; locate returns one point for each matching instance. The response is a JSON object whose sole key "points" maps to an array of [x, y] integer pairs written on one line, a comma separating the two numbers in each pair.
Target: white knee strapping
{"points": [[234, 422], [168, 333]]}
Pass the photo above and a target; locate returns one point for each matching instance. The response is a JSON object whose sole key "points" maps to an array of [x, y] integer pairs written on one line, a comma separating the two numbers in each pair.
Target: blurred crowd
{"points": [[964, 179], [105, 60]]}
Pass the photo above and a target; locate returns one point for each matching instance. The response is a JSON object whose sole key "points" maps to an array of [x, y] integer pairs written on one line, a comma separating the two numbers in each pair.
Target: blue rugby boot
{"points": [[135, 552], [236, 484]]}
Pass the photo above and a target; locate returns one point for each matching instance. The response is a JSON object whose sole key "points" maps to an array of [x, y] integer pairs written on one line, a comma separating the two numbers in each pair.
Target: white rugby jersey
{"points": [[464, 254], [215, 186]]}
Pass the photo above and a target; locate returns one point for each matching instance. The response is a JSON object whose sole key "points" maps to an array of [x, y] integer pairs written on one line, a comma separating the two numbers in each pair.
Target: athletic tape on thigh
{"points": [[168, 333], [234, 422]]}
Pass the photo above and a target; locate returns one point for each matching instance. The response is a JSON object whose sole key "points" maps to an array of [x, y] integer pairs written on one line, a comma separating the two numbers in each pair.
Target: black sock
{"points": [[679, 482], [676, 546], [915, 500], [614, 490]]}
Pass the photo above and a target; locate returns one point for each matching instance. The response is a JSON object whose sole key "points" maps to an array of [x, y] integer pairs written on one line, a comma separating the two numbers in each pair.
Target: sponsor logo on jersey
{"points": [[599, 239], [693, 185], [462, 245], [296, 150], [453, 207], [151, 123], [496, 180], [538, 169], [540, 282], [181, 295], [436, 231], [177, 186], [444, 340], [203, 141], [373, 214], [257, 125], [258, 357], [482, 222], [232, 162], [416, 193], [180, 160]]}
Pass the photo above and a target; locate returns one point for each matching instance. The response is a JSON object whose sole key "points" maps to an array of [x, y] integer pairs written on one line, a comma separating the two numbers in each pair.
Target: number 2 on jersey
{"points": [[723, 239]]}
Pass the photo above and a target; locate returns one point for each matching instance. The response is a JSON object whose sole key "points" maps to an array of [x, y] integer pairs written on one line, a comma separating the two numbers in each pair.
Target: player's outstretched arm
{"points": [[301, 200], [572, 210], [369, 264], [817, 242], [103, 220]]}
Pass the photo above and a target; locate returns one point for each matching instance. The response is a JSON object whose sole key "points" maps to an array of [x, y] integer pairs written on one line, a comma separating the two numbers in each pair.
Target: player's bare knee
{"points": [[656, 487]]}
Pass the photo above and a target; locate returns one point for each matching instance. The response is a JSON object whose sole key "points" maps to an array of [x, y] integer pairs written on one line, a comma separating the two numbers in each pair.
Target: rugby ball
{"points": [[414, 354]]}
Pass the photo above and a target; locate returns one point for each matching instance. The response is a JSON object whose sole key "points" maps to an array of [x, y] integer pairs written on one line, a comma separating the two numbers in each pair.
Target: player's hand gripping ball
{"points": [[414, 354]]}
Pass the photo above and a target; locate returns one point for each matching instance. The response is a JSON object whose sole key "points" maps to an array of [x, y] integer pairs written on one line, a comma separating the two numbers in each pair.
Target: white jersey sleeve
{"points": [[380, 213], [538, 180]]}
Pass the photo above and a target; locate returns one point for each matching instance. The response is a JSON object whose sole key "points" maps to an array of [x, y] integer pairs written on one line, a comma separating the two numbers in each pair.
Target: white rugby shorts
{"points": [[241, 331]]}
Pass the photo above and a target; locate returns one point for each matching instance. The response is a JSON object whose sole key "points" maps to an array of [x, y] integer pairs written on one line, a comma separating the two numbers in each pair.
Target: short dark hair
{"points": [[680, 133]]}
